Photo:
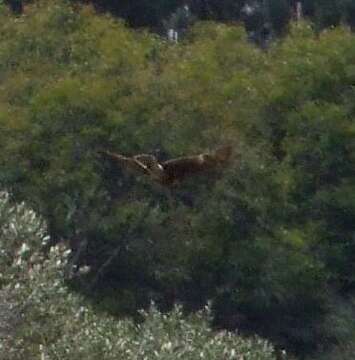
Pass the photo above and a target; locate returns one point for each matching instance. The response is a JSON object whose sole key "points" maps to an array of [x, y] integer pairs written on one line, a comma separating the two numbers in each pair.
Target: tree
{"points": [[279, 13], [269, 241], [349, 13], [327, 13], [140, 13], [227, 10], [16, 6]]}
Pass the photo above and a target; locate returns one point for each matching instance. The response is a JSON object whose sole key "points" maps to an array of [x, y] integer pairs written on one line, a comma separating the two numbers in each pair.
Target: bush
{"points": [[40, 316]]}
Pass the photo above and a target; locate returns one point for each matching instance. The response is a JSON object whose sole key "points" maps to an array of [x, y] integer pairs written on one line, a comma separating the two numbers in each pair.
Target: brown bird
{"points": [[173, 171]]}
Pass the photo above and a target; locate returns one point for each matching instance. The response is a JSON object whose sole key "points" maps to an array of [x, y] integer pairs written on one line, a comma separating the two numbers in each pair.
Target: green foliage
{"points": [[42, 318], [269, 240], [22, 233]]}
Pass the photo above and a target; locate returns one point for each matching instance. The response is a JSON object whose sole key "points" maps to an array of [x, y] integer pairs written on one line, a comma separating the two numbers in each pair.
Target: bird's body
{"points": [[173, 171], [177, 169]]}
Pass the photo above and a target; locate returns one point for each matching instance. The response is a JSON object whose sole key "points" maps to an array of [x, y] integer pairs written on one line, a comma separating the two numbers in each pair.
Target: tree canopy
{"points": [[270, 243]]}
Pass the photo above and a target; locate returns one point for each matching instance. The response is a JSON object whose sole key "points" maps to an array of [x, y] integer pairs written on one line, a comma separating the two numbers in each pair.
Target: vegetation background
{"points": [[269, 244]]}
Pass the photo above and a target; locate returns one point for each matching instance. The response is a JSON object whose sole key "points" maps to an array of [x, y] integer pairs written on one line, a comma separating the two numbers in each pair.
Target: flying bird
{"points": [[172, 171]]}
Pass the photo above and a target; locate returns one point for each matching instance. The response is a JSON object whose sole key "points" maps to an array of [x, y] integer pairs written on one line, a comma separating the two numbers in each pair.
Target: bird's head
{"points": [[223, 153]]}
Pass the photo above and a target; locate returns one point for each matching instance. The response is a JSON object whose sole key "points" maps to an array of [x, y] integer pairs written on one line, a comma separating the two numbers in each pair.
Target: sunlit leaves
{"points": [[39, 316]]}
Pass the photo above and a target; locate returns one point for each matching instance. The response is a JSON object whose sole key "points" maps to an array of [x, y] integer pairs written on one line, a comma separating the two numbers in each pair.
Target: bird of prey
{"points": [[172, 171]]}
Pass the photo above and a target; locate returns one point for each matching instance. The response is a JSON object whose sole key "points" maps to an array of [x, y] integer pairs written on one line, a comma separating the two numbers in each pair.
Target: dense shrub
{"points": [[269, 241], [40, 317]]}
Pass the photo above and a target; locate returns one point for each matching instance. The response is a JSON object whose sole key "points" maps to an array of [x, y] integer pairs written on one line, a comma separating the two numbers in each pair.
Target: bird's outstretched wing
{"points": [[174, 170], [129, 163], [180, 168]]}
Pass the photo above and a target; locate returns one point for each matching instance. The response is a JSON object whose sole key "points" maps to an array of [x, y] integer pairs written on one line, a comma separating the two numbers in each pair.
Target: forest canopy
{"points": [[269, 241]]}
